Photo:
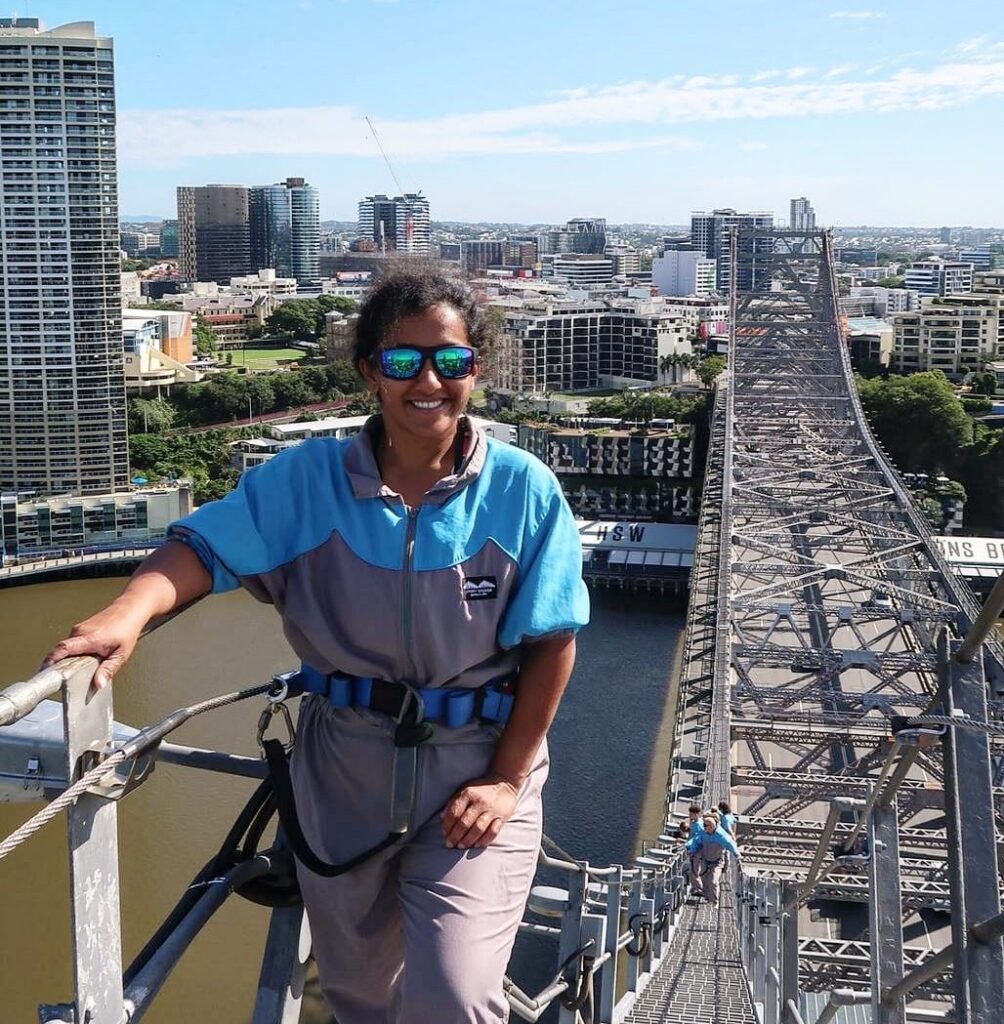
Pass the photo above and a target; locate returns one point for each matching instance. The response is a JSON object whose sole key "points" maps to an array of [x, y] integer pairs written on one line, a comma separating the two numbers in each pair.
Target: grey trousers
{"points": [[711, 874], [420, 933]]}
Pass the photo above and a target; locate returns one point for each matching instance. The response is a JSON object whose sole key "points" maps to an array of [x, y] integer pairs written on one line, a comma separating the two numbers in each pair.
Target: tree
{"points": [[291, 390], [708, 369], [890, 281], [986, 383], [343, 376], [296, 319], [919, 419], [205, 339], [150, 416]]}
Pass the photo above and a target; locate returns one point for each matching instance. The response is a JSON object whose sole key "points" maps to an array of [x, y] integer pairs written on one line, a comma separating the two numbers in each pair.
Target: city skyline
{"points": [[849, 104]]}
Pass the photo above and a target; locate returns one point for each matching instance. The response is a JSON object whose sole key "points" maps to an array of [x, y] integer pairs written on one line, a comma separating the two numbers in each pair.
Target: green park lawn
{"points": [[262, 358]]}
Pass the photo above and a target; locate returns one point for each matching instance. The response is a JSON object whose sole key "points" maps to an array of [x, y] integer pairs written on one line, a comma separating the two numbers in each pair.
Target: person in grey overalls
{"points": [[429, 579], [708, 848]]}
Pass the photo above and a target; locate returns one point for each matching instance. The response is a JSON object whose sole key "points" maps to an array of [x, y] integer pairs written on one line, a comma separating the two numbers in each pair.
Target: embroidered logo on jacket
{"points": [[480, 588]]}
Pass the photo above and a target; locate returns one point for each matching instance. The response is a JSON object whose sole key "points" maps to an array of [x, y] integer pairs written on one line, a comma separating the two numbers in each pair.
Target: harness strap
{"points": [[452, 707], [278, 768]]}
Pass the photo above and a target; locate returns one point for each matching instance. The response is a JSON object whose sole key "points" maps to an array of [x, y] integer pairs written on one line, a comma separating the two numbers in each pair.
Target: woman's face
{"points": [[427, 407]]}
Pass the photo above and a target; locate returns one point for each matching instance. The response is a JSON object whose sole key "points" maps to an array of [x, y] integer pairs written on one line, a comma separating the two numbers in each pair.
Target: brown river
{"points": [[605, 790]]}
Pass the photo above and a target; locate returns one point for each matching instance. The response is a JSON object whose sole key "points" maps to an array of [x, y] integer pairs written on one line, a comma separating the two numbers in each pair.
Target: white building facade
{"points": [[683, 272]]}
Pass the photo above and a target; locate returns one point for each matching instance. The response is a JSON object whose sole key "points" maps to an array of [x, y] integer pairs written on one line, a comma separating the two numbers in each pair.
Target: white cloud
{"points": [[607, 119], [857, 15], [840, 69]]}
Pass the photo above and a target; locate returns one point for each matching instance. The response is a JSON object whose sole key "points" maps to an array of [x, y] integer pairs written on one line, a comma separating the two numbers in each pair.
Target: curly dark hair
{"points": [[408, 291]]}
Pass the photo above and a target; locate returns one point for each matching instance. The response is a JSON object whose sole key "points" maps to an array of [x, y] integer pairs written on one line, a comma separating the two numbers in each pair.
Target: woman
{"points": [[420, 553]]}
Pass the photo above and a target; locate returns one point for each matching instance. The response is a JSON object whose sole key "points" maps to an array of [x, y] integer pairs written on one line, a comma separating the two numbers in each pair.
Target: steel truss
{"points": [[832, 598]]}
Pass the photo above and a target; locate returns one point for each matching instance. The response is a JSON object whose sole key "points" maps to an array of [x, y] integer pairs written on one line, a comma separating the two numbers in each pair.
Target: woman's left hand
{"points": [[475, 814]]}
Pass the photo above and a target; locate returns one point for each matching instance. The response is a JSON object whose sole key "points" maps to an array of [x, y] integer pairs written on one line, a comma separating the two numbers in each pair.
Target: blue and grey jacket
{"points": [[717, 838], [441, 595]]}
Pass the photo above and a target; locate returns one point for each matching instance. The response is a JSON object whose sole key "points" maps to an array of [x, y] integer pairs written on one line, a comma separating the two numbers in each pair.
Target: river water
{"points": [[608, 748]]}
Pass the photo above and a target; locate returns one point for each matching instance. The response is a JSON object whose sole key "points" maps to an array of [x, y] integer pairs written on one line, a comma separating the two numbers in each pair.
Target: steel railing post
{"points": [[634, 908], [972, 846], [571, 929], [759, 938], [789, 945], [609, 972], [94, 867], [283, 968], [772, 941], [885, 913]]}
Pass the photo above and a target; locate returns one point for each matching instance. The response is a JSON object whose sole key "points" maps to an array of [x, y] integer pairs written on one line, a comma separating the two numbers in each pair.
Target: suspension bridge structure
{"points": [[840, 687]]}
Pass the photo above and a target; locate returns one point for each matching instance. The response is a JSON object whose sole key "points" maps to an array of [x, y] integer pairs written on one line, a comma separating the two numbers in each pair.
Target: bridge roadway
{"points": [[816, 599]]}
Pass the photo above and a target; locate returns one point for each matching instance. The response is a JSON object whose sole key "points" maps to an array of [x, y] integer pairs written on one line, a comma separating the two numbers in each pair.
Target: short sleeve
{"points": [[550, 596], [262, 523], [224, 533]]}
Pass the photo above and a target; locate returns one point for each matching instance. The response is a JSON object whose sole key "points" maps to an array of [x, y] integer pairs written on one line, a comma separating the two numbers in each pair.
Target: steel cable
{"points": [[147, 737]]}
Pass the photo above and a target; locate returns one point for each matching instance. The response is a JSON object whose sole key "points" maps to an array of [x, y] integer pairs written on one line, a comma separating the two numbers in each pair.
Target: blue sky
{"points": [[638, 110]]}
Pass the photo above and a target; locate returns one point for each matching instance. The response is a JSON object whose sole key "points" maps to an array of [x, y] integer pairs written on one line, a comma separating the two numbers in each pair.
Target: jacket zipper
{"points": [[409, 556]]}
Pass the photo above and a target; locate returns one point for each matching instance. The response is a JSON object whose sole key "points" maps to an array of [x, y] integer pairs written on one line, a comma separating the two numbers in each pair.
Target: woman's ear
{"points": [[369, 375]]}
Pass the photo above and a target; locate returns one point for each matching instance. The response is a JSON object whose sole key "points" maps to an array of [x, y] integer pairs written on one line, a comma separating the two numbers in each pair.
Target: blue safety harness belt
{"points": [[415, 712]]}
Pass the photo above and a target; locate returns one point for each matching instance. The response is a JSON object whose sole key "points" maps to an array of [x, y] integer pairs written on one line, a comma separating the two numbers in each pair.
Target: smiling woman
{"points": [[430, 579]]}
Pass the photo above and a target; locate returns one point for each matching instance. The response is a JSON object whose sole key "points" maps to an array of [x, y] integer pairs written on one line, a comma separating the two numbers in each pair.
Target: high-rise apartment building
{"points": [[939, 277], [214, 232], [803, 216], [710, 234], [956, 334], [62, 388], [565, 345], [398, 224], [414, 234]]}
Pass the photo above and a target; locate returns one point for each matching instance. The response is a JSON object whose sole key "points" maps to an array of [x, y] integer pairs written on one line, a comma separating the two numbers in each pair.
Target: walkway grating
{"points": [[701, 977]]}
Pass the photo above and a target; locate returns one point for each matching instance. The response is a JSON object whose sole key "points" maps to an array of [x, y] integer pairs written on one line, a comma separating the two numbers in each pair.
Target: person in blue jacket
{"points": [[428, 576], [728, 818], [708, 847]]}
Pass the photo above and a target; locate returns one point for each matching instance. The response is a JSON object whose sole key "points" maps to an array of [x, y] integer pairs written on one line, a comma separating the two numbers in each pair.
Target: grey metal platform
{"points": [[702, 977]]}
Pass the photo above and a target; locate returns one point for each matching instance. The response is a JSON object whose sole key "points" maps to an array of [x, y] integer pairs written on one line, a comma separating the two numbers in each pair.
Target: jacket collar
{"points": [[364, 474]]}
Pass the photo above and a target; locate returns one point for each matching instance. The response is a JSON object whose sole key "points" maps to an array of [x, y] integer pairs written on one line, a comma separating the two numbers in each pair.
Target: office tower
{"points": [[580, 234], [398, 224], [169, 238], [285, 230], [477, 255], [710, 233], [803, 216], [304, 232], [270, 229], [214, 232], [62, 388], [945, 236]]}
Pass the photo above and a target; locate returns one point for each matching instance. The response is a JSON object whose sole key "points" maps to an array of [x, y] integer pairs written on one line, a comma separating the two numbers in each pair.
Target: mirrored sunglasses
{"points": [[405, 362]]}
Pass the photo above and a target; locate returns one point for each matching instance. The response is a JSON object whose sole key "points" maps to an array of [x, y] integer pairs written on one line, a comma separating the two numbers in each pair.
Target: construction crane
{"points": [[383, 153], [409, 224]]}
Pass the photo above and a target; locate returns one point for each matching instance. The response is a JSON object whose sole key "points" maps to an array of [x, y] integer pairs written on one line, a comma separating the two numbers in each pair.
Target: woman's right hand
{"points": [[111, 635]]}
